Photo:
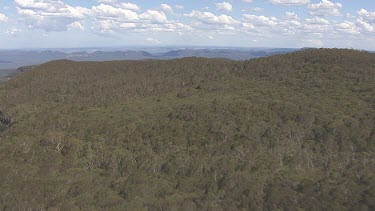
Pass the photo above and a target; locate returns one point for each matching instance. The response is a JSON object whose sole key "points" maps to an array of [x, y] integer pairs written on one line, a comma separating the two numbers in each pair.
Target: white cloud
{"points": [[152, 40], [105, 26], [349, 16], [369, 16], [315, 27], [13, 31], [129, 6], [312, 43], [366, 20], [3, 18], [325, 8], [107, 12], [317, 21], [108, 1], [257, 9], [290, 2], [289, 27], [110, 12], [347, 27], [170, 26], [166, 7], [179, 7], [125, 5], [75, 26], [209, 18], [112, 17], [224, 6], [34, 4], [261, 21], [107, 17], [49, 15], [291, 16], [128, 25], [153, 16], [110, 20], [365, 25], [48, 8], [248, 26]]}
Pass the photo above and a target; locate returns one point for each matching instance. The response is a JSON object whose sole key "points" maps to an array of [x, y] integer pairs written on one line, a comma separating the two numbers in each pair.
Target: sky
{"points": [[237, 23]]}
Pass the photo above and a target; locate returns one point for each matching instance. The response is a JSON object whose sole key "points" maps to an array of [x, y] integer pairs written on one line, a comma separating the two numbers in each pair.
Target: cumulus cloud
{"points": [[111, 12], [315, 26], [3, 18], [166, 7], [370, 16], [291, 16], [260, 21], [105, 26], [35, 4], [152, 40], [151, 20], [366, 20], [129, 6], [108, 16], [117, 16], [325, 8], [347, 27], [248, 26], [209, 18], [123, 5], [290, 2], [52, 9], [365, 25], [317, 21], [224, 6], [108, 12], [75, 26], [154, 16], [49, 15], [292, 25]]}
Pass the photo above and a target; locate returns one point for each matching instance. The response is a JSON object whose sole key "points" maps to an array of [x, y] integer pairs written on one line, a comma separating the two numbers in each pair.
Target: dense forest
{"points": [[285, 132]]}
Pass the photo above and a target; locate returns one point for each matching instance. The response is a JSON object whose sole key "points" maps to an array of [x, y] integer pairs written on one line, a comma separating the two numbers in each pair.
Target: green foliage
{"points": [[286, 132]]}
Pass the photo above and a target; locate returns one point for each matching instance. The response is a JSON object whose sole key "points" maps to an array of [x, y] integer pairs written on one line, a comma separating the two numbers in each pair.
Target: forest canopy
{"points": [[285, 132]]}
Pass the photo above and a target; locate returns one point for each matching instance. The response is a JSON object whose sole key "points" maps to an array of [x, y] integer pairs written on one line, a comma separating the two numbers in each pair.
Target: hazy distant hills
{"points": [[108, 56], [15, 58], [224, 53]]}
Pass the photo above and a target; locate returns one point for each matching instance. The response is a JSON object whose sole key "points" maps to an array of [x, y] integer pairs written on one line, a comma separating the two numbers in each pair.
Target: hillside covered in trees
{"points": [[286, 132]]}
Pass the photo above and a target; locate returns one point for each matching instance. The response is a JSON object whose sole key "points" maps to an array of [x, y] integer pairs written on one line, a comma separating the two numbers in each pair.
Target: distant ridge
{"points": [[15, 59]]}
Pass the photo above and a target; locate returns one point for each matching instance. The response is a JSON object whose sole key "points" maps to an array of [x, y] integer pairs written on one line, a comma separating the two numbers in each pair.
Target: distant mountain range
{"points": [[13, 59]]}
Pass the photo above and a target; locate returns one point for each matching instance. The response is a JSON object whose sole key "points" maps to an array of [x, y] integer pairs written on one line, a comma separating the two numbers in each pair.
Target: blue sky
{"points": [[244, 23]]}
